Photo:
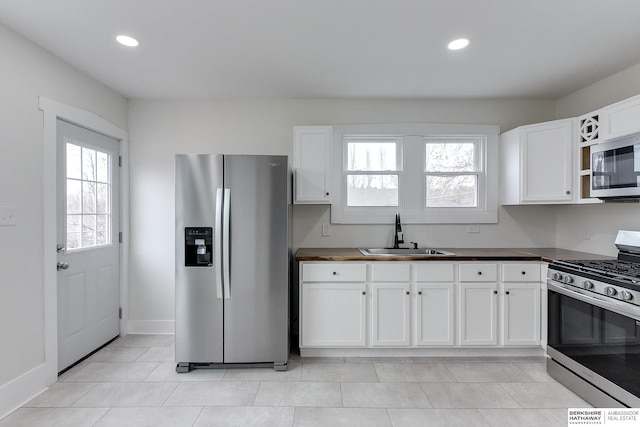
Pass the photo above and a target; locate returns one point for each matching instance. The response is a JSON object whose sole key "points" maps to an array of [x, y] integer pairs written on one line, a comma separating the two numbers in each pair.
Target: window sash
{"points": [[375, 139]]}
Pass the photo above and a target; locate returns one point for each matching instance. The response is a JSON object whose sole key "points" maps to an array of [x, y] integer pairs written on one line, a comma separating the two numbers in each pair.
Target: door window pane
{"points": [[88, 197], [372, 190], [74, 161]]}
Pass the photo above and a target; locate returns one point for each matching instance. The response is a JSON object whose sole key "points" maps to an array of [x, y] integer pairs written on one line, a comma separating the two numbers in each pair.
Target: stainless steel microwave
{"points": [[615, 169]]}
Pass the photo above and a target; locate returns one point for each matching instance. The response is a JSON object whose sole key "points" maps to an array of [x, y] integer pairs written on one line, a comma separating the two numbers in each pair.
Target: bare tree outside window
{"points": [[451, 178], [88, 197], [371, 178]]}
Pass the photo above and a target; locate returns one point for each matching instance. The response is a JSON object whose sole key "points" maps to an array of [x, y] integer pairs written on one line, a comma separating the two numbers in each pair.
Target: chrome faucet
{"points": [[398, 238]]}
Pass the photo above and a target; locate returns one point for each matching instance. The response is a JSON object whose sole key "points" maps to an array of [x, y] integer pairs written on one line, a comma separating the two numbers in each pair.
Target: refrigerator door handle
{"points": [[225, 244], [218, 243]]}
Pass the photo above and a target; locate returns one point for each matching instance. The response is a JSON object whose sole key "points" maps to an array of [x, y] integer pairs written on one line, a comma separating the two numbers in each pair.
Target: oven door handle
{"points": [[614, 306]]}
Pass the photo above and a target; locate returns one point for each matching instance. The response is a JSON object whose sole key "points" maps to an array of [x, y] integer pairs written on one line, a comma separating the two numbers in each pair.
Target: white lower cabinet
{"points": [[419, 304], [333, 315], [521, 314], [478, 310], [390, 314], [521, 304], [333, 305], [435, 314], [390, 304], [435, 304]]}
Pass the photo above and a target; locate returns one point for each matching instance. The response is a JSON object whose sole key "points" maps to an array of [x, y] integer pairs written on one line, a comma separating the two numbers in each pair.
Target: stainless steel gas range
{"points": [[594, 325]]}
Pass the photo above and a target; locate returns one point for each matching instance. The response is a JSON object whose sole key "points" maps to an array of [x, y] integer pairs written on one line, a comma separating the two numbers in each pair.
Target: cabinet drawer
{"points": [[478, 272], [396, 272], [529, 272], [334, 272], [434, 272]]}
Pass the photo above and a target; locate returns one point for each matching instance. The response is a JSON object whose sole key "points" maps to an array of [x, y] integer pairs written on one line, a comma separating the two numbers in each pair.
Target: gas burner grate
{"points": [[622, 270]]}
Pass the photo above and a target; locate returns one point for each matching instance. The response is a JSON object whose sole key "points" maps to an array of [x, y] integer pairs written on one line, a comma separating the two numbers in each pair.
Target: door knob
{"points": [[62, 266]]}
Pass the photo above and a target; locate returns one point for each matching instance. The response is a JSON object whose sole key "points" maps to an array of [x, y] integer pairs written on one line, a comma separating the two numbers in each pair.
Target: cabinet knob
{"points": [[495, 292], [326, 194], [568, 192], [419, 292], [334, 273], [524, 272], [507, 292], [479, 273], [408, 293], [364, 292]]}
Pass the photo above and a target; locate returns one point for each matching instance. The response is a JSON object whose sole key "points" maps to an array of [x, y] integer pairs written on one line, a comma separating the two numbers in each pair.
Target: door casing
{"points": [[52, 111]]}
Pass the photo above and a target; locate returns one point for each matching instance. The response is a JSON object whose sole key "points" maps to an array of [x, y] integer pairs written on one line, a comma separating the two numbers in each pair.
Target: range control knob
{"points": [[568, 279], [587, 285], [557, 276], [627, 296], [612, 292]]}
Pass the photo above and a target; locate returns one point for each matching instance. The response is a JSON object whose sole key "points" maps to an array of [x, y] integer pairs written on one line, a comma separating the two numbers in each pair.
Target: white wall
{"points": [[159, 129], [26, 73], [604, 220]]}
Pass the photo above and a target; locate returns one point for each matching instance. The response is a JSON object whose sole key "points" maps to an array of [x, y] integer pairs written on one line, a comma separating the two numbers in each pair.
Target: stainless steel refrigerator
{"points": [[232, 261]]}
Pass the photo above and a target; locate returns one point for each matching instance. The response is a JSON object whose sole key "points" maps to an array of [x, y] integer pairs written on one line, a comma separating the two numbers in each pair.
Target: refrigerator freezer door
{"points": [[256, 311], [199, 311]]}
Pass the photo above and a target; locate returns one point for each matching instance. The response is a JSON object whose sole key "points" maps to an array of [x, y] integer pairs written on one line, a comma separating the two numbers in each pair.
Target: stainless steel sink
{"points": [[404, 252]]}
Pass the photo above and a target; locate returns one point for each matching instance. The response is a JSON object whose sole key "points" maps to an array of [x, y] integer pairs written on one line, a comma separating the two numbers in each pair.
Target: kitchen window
{"points": [[453, 171], [372, 171], [427, 173]]}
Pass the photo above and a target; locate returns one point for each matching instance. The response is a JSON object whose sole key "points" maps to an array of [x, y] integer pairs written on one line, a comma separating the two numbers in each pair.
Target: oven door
{"points": [[597, 339]]}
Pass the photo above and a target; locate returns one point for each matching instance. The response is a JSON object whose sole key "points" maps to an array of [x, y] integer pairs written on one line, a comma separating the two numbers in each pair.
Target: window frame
{"points": [[479, 168], [412, 181], [398, 141]]}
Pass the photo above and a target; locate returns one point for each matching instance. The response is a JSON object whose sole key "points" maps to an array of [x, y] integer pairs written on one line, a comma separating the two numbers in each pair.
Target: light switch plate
{"points": [[8, 215]]}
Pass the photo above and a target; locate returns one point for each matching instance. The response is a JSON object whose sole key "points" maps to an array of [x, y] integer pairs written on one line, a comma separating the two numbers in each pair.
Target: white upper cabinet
{"points": [[620, 119], [537, 164], [312, 164]]}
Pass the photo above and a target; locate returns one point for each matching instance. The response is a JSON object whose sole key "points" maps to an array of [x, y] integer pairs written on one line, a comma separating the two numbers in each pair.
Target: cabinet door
{"points": [[547, 162], [435, 308], [312, 164], [620, 119], [478, 313], [521, 314], [390, 314], [333, 315]]}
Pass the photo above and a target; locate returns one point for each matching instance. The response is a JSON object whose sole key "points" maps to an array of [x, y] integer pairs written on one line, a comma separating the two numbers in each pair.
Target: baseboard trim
{"points": [[154, 327], [22, 389]]}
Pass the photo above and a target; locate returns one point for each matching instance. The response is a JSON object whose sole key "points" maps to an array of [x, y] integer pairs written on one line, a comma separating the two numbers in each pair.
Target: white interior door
{"points": [[88, 241]]}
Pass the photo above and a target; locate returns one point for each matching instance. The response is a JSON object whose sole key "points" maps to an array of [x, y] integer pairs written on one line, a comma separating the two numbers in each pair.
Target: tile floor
{"points": [[132, 382]]}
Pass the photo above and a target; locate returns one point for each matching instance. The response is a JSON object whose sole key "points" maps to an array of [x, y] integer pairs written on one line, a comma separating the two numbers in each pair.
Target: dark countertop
{"points": [[460, 254]]}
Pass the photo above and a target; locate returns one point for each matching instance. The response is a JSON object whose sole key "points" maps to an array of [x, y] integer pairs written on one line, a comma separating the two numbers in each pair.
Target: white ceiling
{"points": [[336, 48]]}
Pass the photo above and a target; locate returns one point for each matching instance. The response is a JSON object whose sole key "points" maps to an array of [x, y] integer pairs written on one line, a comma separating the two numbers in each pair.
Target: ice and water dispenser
{"points": [[198, 246]]}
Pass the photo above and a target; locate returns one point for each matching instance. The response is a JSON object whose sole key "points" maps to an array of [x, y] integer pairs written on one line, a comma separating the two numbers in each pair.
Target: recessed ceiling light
{"points": [[458, 44], [127, 41]]}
